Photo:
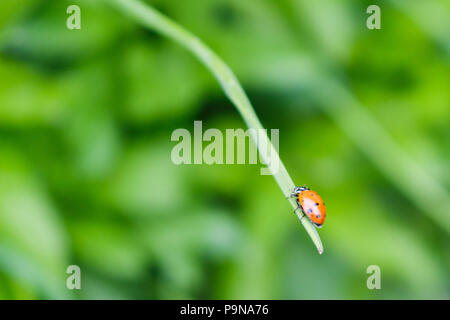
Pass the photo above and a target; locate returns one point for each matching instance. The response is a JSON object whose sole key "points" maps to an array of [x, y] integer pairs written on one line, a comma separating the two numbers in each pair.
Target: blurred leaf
{"points": [[110, 248], [159, 83], [29, 224], [45, 39], [13, 10], [147, 182], [27, 99]]}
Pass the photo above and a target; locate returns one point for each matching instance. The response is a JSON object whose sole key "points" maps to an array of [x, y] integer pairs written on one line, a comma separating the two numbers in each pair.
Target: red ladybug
{"points": [[311, 205]]}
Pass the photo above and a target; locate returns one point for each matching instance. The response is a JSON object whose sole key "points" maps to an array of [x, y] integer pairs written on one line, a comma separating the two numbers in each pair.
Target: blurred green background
{"points": [[86, 177]]}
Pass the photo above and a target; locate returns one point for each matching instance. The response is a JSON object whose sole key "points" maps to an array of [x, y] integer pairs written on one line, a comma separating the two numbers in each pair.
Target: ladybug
{"points": [[311, 205]]}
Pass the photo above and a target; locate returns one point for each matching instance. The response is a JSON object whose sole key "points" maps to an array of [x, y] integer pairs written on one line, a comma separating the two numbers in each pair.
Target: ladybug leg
{"points": [[293, 195], [299, 208], [297, 190]]}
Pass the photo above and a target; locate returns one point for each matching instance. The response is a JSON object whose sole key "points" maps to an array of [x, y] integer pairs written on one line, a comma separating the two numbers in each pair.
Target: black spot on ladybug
{"points": [[317, 204], [318, 216], [309, 210]]}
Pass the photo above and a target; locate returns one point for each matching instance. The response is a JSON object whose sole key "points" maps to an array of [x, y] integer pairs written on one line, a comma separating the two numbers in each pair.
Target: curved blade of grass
{"points": [[151, 18]]}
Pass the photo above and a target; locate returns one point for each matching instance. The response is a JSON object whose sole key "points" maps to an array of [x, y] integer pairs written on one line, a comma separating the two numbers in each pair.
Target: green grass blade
{"points": [[151, 18]]}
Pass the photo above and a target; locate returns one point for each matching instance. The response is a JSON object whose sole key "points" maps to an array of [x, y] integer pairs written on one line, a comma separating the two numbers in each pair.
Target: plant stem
{"points": [[151, 18]]}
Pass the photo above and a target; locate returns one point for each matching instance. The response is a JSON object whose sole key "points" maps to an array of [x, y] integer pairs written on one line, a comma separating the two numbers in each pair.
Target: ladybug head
{"points": [[297, 190]]}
